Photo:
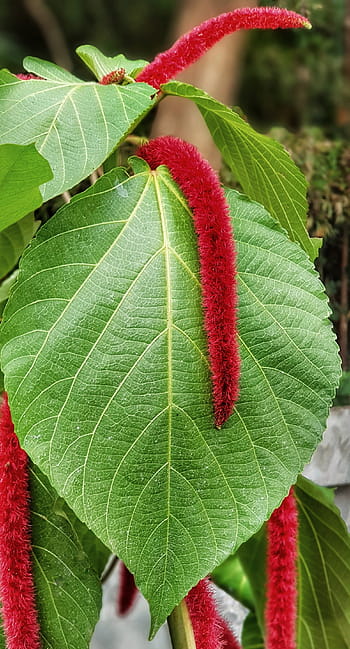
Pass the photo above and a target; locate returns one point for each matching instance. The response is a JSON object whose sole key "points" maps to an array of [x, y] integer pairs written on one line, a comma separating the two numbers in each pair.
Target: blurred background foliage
{"points": [[294, 85]]}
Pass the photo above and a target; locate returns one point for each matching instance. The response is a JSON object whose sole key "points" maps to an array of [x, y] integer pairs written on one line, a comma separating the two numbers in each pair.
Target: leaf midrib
{"points": [[169, 317]]}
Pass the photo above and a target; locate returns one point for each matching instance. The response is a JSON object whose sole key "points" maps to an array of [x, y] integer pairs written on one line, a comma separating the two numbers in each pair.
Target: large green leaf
{"points": [[22, 171], [13, 240], [263, 167], [323, 620], [101, 65], [75, 125], [106, 367]]}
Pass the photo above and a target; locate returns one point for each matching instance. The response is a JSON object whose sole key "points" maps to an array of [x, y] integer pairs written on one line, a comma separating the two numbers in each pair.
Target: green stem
{"points": [[180, 628], [129, 79], [137, 140]]}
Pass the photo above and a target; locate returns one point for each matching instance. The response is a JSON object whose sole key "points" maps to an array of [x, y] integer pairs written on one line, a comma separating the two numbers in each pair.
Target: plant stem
{"points": [[180, 628], [107, 573], [136, 140]]}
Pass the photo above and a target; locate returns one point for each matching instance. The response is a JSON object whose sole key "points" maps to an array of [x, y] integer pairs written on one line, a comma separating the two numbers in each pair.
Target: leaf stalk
{"points": [[180, 628]]}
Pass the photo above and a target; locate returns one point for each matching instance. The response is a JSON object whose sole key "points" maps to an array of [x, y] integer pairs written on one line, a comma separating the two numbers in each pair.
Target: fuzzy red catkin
{"points": [[209, 629], [27, 77], [16, 579], [207, 201], [113, 77], [191, 46], [127, 591], [205, 620], [228, 639], [281, 596]]}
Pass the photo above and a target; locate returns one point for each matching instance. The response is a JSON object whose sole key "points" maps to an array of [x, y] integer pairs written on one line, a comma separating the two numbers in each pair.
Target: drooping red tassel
{"points": [[18, 610], [113, 77], [205, 620], [228, 639], [191, 46], [127, 591], [206, 199], [27, 77], [209, 628], [281, 596]]}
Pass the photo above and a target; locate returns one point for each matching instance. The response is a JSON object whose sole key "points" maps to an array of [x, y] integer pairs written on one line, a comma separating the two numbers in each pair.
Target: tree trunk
{"points": [[217, 72]]}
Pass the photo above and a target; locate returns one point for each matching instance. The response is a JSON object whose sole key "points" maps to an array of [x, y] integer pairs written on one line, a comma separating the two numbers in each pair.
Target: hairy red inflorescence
{"points": [[27, 77], [191, 46], [113, 77], [17, 597], [207, 201], [281, 596], [209, 629], [228, 639], [205, 620], [127, 591]]}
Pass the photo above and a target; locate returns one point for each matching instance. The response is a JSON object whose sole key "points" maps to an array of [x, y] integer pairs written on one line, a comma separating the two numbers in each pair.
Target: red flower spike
{"points": [[281, 597], [206, 199], [205, 620], [27, 77], [191, 46], [113, 77], [127, 592], [16, 580], [209, 628], [228, 639]]}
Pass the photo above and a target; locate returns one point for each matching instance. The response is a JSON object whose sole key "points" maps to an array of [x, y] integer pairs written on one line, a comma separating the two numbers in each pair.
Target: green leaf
{"points": [[106, 366], [323, 619], [48, 70], [263, 167], [101, 65], [252, 555], [231, 577], [13, 240], [75, 125], [5, 288], [251, 634], [93, 547], [68, 590], [22, 171]]}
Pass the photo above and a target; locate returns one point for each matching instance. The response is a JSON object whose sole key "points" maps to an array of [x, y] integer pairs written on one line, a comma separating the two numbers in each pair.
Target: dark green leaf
{"points": [[75, 125], [22, 171], [263, 167], [101, 65], [13, 240], [68, 590], [231, 577], [251, 634], [93, 547], [106, 366]]}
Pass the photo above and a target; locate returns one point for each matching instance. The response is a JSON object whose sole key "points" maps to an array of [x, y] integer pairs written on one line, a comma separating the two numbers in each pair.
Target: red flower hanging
{"points": [[206, 199], [16, 579]]}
